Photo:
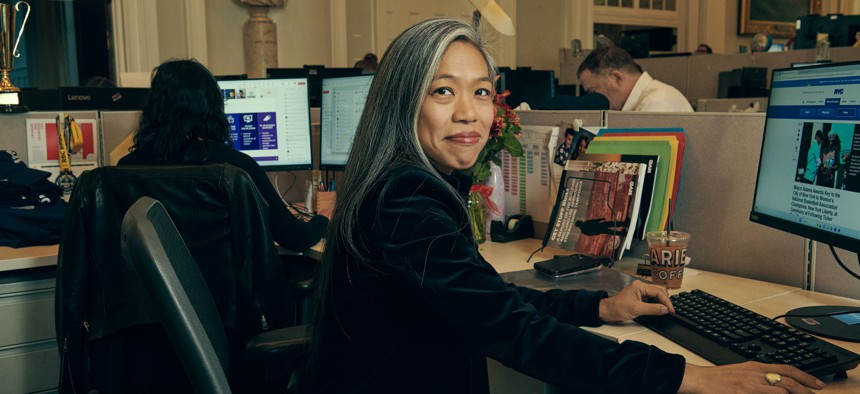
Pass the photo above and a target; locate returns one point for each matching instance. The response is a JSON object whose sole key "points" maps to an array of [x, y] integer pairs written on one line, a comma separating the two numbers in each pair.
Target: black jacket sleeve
{"points": [[423, 232], [287, 230]]}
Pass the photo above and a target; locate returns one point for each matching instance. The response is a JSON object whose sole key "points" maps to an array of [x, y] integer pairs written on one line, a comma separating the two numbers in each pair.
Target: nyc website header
{"points": [[799, 97]]}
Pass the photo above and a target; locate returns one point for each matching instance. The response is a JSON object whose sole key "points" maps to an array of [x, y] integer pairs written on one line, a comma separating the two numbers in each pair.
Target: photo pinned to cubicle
{"points": [[824, 156], [569, 145]]}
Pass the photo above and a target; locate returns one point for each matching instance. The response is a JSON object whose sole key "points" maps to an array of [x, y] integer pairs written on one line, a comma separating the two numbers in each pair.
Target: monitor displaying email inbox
{"points": [[343, 102], [270, 121]]}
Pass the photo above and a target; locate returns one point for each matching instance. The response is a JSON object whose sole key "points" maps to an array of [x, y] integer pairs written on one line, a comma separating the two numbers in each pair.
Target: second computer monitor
{"points": [[270, 121], [342, 104]]}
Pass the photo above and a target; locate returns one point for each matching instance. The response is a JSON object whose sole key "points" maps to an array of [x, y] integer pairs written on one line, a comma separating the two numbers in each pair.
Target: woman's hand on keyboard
{"points": [[748, 377], [635, 300]]}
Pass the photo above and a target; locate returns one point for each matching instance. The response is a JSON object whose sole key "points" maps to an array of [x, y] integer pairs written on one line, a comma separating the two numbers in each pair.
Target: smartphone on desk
{"points": [[575, 264]]}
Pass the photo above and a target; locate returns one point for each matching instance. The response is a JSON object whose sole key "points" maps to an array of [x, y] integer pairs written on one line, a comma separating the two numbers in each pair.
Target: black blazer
{"points": [[425, 311]]}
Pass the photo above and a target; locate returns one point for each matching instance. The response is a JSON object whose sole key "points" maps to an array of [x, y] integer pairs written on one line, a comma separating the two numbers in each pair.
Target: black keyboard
{"points": [[725, 333]]}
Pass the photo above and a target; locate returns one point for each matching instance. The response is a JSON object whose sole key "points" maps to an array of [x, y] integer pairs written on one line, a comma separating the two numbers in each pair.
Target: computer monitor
{"points": [[315, 74], [270, 121], [526, 85], [342, 104], [793, 192]]}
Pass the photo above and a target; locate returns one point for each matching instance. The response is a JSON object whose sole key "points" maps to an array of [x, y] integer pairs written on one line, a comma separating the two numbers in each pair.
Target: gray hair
{"points": [[386, 137], [387, 133]]}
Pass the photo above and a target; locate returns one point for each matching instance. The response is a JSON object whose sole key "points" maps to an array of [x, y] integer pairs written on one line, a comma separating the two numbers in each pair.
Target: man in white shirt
{"points": [[611, 71]]}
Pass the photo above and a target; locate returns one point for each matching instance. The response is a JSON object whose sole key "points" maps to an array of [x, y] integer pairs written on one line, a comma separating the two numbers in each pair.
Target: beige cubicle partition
{"points": [[830, 278], [116, 126], [671, 70], [556, 118], [704, 72], [13, 128], [715, 197]]}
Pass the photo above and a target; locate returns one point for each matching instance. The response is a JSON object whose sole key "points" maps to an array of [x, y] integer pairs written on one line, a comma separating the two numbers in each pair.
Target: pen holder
{"points": [[324, 202]]}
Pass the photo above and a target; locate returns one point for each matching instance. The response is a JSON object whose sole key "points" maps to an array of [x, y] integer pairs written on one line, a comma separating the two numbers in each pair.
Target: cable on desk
{"points": [[843, 265]]}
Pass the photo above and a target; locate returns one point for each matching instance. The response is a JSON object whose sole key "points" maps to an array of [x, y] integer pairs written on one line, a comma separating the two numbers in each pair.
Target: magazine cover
{"points": [[594, 208], [646, 185]]}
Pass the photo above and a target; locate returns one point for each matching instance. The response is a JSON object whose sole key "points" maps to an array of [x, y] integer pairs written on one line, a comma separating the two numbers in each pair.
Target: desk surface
{"points": [[768, 299], [30, 257]]}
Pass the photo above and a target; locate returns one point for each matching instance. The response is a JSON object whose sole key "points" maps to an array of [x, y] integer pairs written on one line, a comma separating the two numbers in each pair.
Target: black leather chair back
{"points": [[107, 330]]}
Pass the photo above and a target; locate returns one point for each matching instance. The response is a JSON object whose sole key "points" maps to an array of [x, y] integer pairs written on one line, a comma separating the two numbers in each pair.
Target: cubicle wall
{"points": [[13, 128], [715, 197], [556, 118]]}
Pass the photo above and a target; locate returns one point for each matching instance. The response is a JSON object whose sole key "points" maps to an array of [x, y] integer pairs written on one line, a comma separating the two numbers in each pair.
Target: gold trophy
{"points": [[9, 101]]}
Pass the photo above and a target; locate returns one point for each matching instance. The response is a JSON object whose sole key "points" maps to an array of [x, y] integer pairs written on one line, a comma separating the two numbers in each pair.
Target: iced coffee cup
{"points": [[667, 251]]}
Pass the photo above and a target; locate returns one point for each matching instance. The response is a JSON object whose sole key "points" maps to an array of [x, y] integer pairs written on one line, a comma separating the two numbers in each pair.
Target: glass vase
{"points": [[496, 211], [478, 217]]}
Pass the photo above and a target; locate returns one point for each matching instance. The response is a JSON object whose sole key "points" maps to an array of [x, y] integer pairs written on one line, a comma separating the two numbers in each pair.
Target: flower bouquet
{"points": [[504, 136]]}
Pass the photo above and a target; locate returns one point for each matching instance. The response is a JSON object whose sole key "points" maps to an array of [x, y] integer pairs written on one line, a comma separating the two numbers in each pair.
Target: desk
{"points": [[30, 257], [768, 299]]}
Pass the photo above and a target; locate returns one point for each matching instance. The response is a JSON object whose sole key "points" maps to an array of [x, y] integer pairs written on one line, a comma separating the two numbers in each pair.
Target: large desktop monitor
{"points": [[534, 87], [270, 121], [342, 104], [315, 75], [811, 189]]}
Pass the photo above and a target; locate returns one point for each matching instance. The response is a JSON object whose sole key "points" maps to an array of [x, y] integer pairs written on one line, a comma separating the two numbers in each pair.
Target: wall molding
{"points": [[196, 45], [135, 32]]}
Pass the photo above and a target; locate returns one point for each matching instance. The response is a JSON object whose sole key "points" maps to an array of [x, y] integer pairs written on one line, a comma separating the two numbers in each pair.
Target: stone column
{"points": [[261, 42], [260, 37]]}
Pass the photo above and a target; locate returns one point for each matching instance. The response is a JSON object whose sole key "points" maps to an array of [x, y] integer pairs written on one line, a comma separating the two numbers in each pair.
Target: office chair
{"points": [[108, 332], [155, 251]]}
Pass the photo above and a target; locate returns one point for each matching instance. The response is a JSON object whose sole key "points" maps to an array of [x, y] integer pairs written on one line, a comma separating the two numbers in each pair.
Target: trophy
{"points": [[9, 102]]}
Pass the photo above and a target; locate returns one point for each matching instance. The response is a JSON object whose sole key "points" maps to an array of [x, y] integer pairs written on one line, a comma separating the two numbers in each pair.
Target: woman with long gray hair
{"points": [[405, 303]]}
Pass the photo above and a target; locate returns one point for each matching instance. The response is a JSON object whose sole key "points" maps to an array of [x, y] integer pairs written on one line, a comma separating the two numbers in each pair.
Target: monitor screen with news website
{"points": [[809, 172], [342, 104], [270, 121]]}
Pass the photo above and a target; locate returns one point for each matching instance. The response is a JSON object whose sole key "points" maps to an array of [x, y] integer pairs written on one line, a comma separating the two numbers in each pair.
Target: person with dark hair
{"points": [[611, 71], [704, 48], [565, 148], [183, 122], [580, 147], [368, 64], [405, 303]]}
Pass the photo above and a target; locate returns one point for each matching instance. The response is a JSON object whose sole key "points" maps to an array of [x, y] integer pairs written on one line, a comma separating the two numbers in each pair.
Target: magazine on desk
{"points": [[646, 185], [596, 206]]}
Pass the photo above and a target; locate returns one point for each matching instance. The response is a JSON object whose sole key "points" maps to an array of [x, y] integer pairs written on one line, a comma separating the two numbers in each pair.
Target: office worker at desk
{"points": [[405, 303], [611, 71], [183, 122]]}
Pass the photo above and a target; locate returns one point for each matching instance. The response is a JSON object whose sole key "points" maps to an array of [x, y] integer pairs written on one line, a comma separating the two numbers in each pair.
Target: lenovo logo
{"points": [[81, 97]]}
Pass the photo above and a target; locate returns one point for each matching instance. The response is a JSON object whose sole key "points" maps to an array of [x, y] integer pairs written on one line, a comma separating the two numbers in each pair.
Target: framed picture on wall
{"points": [[775, 17]]}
